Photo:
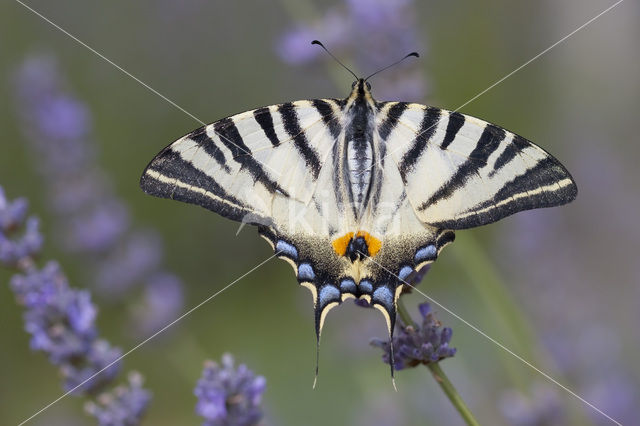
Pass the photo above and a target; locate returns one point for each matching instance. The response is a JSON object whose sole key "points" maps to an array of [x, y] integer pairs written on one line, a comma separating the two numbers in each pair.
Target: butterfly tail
{"points": [[385, 300], [318, 332], [327, 297]]}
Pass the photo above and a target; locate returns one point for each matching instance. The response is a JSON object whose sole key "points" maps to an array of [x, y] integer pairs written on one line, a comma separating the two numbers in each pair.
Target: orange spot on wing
{"points": [[340, 244], [373, 243]]}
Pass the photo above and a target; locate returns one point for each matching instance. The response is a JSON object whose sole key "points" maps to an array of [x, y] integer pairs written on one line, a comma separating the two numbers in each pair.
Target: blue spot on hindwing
{"points": [[286, 249], [305, 272], [426, 253], [328, 294], [365, 286], [405, 271], [383, 296], [348, 286]]}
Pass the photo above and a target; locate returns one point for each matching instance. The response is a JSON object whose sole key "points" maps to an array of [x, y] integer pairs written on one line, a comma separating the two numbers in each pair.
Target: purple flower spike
{"points": [[63, 118], [229, 396], [14, 248], [422, 344], [11, 213], [61, 321], [125, 406], [424, 309], [99, 355]]}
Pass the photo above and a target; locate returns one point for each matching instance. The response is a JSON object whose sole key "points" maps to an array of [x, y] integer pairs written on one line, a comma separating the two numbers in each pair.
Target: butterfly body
{"points": [[359, 149], [357, 194]]}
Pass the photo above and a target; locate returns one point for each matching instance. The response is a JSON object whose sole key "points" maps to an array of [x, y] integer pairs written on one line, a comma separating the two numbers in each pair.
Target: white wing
{"points": [[241, 165], [460, 172]]}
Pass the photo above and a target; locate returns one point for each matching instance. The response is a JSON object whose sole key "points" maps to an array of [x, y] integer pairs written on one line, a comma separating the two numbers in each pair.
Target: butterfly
{"points": [[358, 195]]}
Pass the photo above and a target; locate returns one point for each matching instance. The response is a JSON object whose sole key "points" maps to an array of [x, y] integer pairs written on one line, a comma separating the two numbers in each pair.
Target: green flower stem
{"points": [[441, 378], [404, 315], [452, 393]]}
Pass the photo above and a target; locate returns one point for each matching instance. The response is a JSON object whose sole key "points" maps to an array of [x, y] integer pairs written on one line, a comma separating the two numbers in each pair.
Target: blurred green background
{"points": [[559, 287]]}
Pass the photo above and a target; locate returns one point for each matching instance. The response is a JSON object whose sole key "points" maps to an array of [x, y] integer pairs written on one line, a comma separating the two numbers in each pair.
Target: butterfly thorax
{"points": [[359, 153]]}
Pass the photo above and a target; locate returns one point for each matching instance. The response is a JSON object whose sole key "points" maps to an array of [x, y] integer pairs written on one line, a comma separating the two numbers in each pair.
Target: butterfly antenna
{"points": [[414, 54], [336, 59]]}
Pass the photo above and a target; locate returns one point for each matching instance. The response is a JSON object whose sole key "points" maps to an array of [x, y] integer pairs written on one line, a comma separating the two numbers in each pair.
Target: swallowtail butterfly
{"points": [[357, 195]]}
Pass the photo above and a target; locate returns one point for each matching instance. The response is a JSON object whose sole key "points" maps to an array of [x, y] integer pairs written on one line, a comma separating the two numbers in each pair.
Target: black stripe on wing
{"points": [[204, 140], [545, 184], [265, 120], [426, 130], [510, 152], [391, 121], [489, 141], [537, 188], [456, 121], [231, 138], [326, 112], [170, 176], [295, 131]]}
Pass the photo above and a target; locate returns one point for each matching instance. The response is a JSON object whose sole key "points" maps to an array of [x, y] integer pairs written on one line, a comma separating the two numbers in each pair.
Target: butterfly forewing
{"points": [[239, 165], [467, 172]]}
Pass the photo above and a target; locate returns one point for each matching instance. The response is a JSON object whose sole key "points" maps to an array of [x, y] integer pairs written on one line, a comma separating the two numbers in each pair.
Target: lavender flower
{"points": [[229, 396], [59, 318], [371, 32], [61, 322], [92, 220], [418, 345], [124, 406], [12, 215]]}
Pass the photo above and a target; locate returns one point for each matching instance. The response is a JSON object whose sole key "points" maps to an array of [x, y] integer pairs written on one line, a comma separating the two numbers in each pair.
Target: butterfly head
{"points": [[360, 84], [360, 91]]}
